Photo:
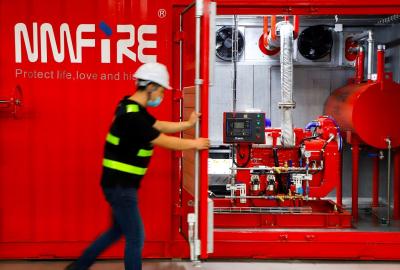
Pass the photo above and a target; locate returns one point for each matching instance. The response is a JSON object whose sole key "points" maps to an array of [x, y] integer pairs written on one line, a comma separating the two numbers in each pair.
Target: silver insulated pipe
{"points": [[287, 104], [370, 54]]}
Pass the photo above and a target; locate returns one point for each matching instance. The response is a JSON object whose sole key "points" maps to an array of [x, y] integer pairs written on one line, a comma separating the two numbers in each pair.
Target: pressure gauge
{"points": [[307, 154]]}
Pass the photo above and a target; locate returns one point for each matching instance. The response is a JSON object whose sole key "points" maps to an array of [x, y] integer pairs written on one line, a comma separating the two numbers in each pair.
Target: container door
{"points": [[194, 83]]}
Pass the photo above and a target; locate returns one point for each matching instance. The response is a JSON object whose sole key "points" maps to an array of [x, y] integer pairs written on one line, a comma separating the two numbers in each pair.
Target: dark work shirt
{"points": [[128, 145]]}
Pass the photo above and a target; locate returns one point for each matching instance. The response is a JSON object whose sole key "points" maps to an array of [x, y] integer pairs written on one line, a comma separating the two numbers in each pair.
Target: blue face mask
{"points": [[154, 103]]}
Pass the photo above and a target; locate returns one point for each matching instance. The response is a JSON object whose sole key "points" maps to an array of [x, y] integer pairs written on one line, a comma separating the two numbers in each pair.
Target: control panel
{"points": [[244, 127]]}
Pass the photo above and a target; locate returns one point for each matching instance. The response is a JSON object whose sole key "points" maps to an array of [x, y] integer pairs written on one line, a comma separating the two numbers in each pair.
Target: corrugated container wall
{"points": [[50, 156]]}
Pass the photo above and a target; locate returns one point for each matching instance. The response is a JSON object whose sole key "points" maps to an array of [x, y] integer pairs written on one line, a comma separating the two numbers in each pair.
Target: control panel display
{"points": [[243, 127]]}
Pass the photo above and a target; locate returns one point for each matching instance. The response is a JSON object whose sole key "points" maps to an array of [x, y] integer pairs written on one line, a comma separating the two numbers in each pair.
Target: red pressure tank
{"points": [[369, 109]]}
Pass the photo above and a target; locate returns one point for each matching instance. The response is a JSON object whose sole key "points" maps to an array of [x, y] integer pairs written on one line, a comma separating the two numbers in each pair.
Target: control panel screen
{"points": [[244, 127], [238, 125]]}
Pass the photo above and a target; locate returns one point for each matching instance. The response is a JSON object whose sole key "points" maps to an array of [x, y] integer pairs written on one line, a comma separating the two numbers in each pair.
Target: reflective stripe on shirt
{"points": [[145, 153], [112, 139], [123, 167], [132, 108]]}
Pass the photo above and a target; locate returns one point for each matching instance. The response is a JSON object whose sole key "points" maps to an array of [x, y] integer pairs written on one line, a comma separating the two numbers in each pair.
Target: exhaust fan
{"points": [[224, 43], [315, 42]]}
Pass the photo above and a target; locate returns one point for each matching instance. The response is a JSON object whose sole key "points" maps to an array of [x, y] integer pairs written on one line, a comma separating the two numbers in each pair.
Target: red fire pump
{"points": [[276, 186]]}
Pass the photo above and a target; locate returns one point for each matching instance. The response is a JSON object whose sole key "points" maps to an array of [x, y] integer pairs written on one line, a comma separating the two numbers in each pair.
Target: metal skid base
{"points": [[275, 214], [306, 244]]}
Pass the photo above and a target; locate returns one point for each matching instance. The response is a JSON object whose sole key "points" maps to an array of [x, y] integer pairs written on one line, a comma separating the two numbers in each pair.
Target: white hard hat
{"points": [[154, 72]]}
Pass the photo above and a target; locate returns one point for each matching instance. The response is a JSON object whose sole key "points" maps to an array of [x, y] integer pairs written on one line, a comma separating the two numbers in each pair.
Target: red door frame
{"points": [[203, 158]]}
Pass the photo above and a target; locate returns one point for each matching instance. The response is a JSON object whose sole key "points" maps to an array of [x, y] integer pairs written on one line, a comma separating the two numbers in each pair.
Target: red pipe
{"points": [[265, 31], [360, 65], [355, 162], [273, 27], [339, 189], [375, 182], [380, 63], [396, 185], [263, 40], [296, 25]]}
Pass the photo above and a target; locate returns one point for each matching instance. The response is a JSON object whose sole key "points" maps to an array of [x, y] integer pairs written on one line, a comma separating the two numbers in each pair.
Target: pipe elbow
{"points": [[312, 124]]}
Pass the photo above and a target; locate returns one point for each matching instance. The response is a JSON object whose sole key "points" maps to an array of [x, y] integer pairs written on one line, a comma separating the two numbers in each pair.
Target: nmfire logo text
{"points": [[37, 42]]}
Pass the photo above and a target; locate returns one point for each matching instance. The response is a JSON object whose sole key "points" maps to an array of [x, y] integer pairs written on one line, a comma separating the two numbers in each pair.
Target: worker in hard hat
{"points": [[128, 149]]}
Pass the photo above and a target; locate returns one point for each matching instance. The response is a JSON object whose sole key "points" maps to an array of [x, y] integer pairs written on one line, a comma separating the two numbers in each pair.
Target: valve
{"points": [[271, 184], [14, 102], [237, 187], [255, 183], [351, 49]]}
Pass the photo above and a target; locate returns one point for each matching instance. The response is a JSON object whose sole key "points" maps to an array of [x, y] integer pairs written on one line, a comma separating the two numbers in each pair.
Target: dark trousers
{"points": [[127, 222]]}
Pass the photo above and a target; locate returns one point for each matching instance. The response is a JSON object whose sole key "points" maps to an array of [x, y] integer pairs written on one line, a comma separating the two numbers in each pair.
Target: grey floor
{"points": [[214, 265]]}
